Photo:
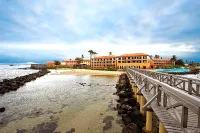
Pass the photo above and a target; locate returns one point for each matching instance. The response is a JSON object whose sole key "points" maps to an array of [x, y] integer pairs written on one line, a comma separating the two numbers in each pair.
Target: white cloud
{"points": [[63, 50]]}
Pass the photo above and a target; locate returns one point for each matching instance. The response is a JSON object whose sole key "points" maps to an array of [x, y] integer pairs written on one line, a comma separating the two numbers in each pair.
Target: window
{"points": [[128, 57], [119, 61], [128, 61]]}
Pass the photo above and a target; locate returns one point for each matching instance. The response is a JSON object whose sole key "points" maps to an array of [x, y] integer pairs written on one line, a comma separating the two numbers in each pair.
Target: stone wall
{"points": [[128, 108], [13, 84]]}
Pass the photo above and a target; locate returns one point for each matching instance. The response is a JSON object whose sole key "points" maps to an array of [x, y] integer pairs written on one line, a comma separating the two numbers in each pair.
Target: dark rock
{"points": [[2, 109], [48, 127], [127, 119], [108, 118], [108, 125], [13, 84], [21, 131], [131, 128], [124, 94], [71, 131]]}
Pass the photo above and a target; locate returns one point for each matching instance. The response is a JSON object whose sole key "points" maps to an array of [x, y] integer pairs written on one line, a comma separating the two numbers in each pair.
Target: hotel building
{"points": [[104, 62], [159, 62], [137, 60]]}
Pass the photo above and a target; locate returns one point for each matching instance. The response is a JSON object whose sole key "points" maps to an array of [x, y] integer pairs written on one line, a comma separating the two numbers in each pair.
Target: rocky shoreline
{"points": [[8, 85], [128, 108]]}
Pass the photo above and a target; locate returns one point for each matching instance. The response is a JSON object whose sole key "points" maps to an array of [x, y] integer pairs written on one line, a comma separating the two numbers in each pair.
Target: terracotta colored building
{"points": [[50, 63], [70, 63], [160, 62], [137, 60], [104, 62], [86, 62]]}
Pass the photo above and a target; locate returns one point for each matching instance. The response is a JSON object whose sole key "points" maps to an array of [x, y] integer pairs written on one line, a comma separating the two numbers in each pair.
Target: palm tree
{"points": [[95, 53], [174, 58], [91, 52]]}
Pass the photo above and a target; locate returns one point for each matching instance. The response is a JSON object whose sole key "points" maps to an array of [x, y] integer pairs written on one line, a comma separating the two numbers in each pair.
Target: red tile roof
{"points": [[111, 56], [133, 54], [70, 60]]}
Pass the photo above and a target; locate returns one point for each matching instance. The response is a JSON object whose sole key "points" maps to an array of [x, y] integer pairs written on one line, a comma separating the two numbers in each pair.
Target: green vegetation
{"points": [[59, 66], [174, 58], [79, 60], [56, 62], [179, 62], [105, 69]]}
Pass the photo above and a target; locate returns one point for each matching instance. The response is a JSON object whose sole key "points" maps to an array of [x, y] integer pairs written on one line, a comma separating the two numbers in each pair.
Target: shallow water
{"points": [[60, 103]]}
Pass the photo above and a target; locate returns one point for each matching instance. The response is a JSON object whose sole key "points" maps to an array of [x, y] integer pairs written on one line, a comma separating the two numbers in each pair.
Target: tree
{"points": [[79, 60], [110, 53], [157, 56], [173, 59], [180, 62], [82, 56], [95, 53], [91, 52], [56, 62]]}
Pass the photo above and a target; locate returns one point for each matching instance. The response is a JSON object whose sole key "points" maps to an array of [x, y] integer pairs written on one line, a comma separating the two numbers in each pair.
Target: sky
{"points": [[45, 30]]}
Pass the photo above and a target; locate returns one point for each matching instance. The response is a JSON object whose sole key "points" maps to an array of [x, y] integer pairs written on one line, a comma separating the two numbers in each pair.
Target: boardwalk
{"points": [[174, 99]]}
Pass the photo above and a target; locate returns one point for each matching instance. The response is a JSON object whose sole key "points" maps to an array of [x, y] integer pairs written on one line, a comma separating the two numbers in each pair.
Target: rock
{"points": [[13, 84], [127, 119], [108, 125], [108, 118], [71, 131], [124, 94], [131, 128], [2, 109], [21, 131], [48, 127]]}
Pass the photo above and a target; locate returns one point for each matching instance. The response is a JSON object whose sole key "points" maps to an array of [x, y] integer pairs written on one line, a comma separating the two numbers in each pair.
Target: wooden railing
{"points": [[177, 95], [192, 86]]}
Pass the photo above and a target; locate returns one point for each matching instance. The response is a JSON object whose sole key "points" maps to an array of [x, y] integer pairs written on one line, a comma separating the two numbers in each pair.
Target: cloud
{"points": [[156, 27]]}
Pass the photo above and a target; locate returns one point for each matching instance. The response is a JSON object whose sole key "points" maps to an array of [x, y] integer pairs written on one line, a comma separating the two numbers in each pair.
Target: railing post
{"points": [[164, 100], [159, 95], [162, 128], [174, 82], [149, 113], [184, 116], [183, 84], [197, 90], [198, 125], [170, 81], [190, 86]]}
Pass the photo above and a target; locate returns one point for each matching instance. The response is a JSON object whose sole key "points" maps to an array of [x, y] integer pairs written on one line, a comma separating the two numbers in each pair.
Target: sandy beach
{"points": [[88, 72]]}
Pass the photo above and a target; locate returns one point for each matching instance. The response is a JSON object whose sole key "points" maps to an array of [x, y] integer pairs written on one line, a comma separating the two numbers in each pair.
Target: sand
{"points": [[89, 72]]}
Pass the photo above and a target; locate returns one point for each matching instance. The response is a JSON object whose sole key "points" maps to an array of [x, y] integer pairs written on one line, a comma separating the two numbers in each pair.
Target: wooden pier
{"points": [[174, 99]]}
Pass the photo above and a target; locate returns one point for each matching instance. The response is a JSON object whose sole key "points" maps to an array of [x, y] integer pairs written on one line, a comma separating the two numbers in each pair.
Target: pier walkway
{"points": [[174, 99]]}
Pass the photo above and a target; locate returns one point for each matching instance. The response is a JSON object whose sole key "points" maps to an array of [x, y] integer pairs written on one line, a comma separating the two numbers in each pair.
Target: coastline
{"points": [[87, 72]]}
